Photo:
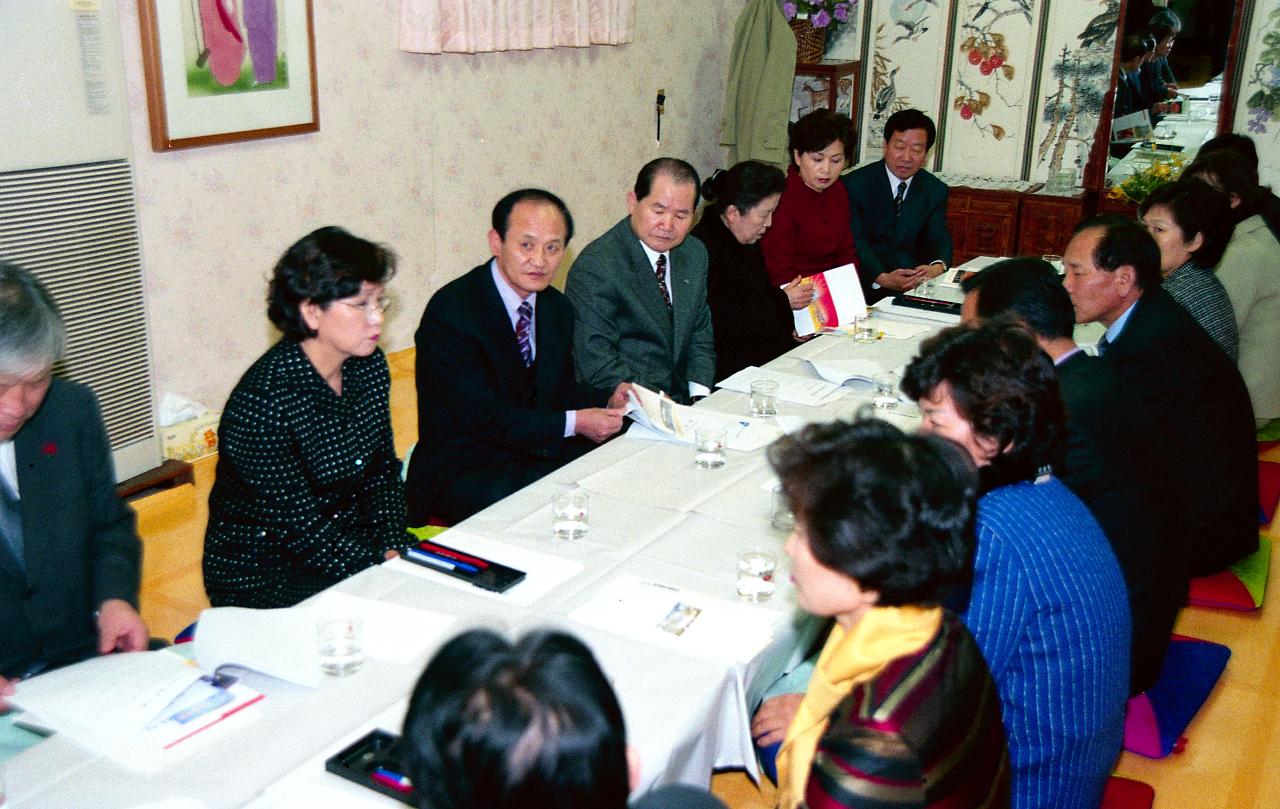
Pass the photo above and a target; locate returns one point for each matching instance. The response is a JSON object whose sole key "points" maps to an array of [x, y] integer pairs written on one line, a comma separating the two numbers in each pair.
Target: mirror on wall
{"points": [[1173, 79]]}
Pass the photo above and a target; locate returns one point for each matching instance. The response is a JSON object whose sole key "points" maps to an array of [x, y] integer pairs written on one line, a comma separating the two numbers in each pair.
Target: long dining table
{"points": [[659, 527]]}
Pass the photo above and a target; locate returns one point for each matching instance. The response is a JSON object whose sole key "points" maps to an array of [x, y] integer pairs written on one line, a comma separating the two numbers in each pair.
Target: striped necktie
{"points": [[11, 522], [523, 336], [661, 271], [897, 198]]}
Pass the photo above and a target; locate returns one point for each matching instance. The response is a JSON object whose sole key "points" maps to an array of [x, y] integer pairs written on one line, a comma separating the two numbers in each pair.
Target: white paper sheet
{"points": [[392, 632], [791, 387], [280, 643], [104, 701], [843, 371], [687, 621], [543, 572], [661, 419]]}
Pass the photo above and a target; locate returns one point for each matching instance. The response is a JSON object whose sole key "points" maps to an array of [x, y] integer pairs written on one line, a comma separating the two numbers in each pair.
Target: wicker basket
{"points": [[810, 41]]}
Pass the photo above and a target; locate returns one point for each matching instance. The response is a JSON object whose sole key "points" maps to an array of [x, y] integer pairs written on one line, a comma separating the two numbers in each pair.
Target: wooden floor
{"points": [[1232, 758]]}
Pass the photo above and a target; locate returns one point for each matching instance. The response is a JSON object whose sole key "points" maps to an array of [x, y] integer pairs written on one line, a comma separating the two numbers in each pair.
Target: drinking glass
{"points": [[709, 445], [886, 390], [755, 575], [569, 514], [341, 644], [764, 398]]}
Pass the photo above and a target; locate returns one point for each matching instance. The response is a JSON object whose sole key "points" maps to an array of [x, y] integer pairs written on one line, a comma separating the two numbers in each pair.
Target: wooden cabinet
{"points": [[824, 85], [1045, 222], [983, 222]]}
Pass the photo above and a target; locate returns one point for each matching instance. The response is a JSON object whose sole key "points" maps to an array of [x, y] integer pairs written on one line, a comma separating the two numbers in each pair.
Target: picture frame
{"points": [[218, 71]]}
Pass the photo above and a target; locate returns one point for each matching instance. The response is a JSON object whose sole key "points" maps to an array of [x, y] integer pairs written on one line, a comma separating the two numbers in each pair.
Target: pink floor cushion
{"points": [[1241, 587], [1126, 793], [1268, 488], [1156, 719]]}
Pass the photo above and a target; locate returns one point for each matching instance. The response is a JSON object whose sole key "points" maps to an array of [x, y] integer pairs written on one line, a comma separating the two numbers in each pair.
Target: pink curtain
{"points": [[476, 26]]}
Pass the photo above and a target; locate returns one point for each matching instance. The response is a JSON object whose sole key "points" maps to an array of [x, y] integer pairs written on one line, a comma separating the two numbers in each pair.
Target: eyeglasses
{"points": [[372, 309]]}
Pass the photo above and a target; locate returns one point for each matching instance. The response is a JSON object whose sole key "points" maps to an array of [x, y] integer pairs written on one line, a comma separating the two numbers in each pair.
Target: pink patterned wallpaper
{"points": [[413, 150]]}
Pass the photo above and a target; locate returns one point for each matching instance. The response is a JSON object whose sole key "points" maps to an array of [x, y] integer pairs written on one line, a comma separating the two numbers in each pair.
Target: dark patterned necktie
{"points": [[897, 198], [1103, 345], [661, 272], [11, 522], [523, 338]]}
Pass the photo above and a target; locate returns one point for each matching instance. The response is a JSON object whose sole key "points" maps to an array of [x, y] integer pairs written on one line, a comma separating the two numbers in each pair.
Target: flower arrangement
{"points": [[1139, 185], [819, 12]]}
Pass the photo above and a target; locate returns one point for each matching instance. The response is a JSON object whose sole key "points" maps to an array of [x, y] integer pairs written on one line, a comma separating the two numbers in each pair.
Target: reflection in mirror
{"points": [[1173, 68]]}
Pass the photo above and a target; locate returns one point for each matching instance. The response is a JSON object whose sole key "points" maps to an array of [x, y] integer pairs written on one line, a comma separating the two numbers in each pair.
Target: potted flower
{"points": [[811, 19], [1138, 186]]}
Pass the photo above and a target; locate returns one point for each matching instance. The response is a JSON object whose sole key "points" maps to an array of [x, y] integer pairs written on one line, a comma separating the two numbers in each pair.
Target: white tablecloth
{"points": [[653, 514]]}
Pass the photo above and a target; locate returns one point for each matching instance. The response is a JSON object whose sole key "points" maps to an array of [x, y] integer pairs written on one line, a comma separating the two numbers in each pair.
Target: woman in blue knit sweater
{"points": [[1047, 604]]}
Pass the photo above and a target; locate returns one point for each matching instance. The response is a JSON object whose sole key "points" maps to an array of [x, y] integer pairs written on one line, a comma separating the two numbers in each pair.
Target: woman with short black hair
{"points": [[308, 487], [1048, 605], [750, 316], [810, 232], [1190, 222], [900, 709]]}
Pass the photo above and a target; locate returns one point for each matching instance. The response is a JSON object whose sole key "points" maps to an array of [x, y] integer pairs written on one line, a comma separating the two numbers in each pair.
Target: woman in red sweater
{"points": [[810, 230]]}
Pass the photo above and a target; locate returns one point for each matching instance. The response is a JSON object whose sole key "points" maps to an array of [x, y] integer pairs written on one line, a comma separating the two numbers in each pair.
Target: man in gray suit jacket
{"points": [[898, 211], [69, 557], [639, 292]]}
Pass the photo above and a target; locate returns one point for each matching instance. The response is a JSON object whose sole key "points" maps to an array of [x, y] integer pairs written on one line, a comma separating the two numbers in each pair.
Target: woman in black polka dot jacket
{"points": [[308, 487]]}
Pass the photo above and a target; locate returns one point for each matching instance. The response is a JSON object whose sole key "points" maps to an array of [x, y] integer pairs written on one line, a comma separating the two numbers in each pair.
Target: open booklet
{"points": [[658, 417], [837, 299], [133, 707]]}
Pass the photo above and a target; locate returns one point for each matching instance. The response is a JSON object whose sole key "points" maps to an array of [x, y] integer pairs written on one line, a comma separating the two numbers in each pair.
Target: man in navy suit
{"points": [[69, 556], [1115, 461], [498, 405], [898, 211], [1191, 388]]}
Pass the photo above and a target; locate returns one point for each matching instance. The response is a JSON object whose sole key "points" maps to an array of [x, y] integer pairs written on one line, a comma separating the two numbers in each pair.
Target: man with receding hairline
{"points": [[1191, 388], [639, 292], [498, 404]]}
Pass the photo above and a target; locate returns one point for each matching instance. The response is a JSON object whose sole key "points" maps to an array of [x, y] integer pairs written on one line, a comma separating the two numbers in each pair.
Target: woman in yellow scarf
{"points": [[901, 709]]}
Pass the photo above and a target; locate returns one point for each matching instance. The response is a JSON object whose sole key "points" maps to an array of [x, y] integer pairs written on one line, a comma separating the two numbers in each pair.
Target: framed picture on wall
{"points": [[219, 71]]}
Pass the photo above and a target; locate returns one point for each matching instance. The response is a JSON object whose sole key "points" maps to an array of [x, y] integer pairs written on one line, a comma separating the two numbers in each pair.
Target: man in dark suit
{"points": [[69, 556], [898, 211], [639, 292], [1115, 461], [1192, 390], [498, 405]]}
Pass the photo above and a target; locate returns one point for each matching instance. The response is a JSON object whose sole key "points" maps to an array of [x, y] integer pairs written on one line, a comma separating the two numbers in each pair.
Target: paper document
{"points": [[842, 371], [668, 421], [280, 643], [106, 701], [791, 387], [685, 620], [837, 298]]}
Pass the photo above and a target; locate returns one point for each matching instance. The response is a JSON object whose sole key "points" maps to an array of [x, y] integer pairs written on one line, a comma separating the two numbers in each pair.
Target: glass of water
{"points": [[569, 515], [864, 328], [709, 447], [341, 644], [886, 390], [755, 575], [764, 397], [780, 516]]}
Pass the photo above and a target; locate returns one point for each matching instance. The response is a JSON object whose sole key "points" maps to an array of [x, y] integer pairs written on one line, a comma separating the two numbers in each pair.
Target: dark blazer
{"points": [[751, 317], [80, 546], [886, 241], [478, 406], [625, 332], [1201, 407], [1116, 462], [308, 487]]}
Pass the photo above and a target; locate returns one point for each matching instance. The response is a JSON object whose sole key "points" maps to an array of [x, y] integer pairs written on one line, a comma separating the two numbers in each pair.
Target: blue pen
{"points": [[439, 561]]}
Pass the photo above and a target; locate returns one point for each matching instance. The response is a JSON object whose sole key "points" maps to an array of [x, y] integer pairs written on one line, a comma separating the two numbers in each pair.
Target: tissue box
{"points": [[191, 439]]}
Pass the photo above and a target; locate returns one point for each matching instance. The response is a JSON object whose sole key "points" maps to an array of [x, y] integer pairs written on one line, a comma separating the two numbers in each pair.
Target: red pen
{"points": [[452, 554]]}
